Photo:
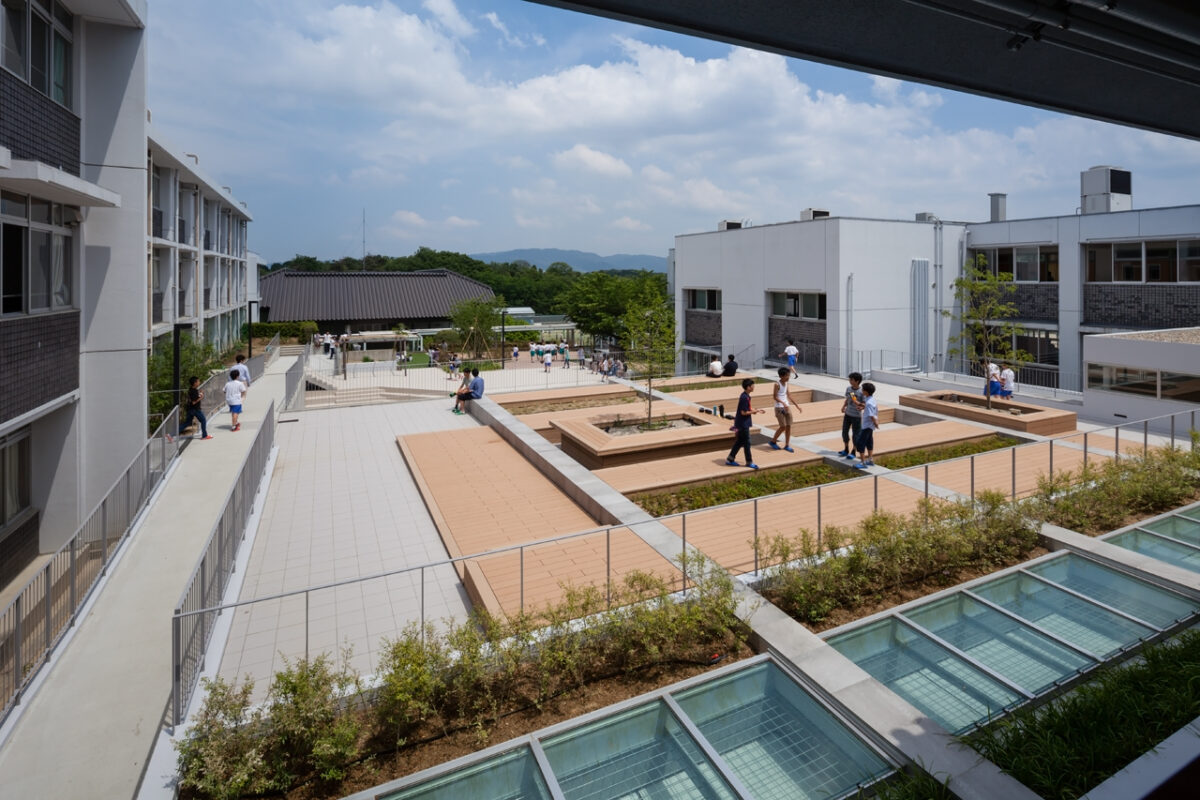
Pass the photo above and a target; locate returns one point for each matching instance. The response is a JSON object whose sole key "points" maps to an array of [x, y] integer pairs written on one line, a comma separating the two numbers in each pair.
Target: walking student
{"points": [[1008, 381], [242, 370], [852, 415], [235, 391], [870, 422], [194, 409], [741, 426], [783, 412], [791, 352]]}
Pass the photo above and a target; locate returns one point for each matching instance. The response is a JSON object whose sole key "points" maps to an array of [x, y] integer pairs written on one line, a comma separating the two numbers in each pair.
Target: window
{"points": [[704, 299], [47, 62], [1180, 386], [1127, 262], [1122, 379], [1161, 262], [36, 273], [1026, 264], [807, 305], [14, 475], [1048, 264], [1099, 263], [1189, 260], [1041, 345], [1004, 262]]}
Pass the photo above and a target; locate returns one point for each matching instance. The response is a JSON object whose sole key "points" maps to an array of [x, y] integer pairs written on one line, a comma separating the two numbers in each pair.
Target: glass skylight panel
{"points": [[1002, 644], [1118, 590], [777, 740], [510, 776], [950, 690], [1157, 547], [1070, 618], [1177, 527], [635, 755]]}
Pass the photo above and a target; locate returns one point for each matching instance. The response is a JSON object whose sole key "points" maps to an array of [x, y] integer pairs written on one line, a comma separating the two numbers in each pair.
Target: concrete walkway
{"points": [[88, 730]]}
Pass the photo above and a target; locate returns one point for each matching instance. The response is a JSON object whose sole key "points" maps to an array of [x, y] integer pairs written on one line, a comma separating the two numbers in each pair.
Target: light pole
{"points": [[502, 349], [250, 328]]}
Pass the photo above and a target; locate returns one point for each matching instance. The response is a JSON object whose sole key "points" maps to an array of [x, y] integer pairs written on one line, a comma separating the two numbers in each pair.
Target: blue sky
{"points": [[487, 126]]}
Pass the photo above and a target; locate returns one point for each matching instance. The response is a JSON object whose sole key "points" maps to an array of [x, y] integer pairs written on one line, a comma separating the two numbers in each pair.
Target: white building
{"points": [[861, 293]]}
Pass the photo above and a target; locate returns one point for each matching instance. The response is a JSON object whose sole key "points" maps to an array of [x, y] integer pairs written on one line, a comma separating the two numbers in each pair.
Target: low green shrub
{"points": [[1073, 743], [928, 455], [1099, 497], [460, 676], [889, 551], [715, 493], [303, 331], [913, 784]]}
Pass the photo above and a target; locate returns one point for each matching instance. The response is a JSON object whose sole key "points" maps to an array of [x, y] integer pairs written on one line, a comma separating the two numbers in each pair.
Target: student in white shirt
{"points": [[783, 412], [235, 390]]}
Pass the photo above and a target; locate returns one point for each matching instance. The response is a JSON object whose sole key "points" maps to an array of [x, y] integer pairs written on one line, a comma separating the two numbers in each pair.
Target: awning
{"points": [[55, 185]]}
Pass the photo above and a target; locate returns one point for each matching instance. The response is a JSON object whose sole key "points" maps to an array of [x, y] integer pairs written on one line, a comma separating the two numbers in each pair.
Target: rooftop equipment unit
{"points": [[813, 213], [729, 225], [1104, 189]]}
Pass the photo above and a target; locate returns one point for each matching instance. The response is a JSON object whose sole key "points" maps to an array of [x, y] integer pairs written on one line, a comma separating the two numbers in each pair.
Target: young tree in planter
{"points": [[984, 312], [648, 336], [473, 320]]}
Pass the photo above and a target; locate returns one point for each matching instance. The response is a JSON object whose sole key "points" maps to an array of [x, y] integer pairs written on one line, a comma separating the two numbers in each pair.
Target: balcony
{"points": [[181, 231], [208, 299], [156, 308], [156, 223], [182, 309], [208, 240]]}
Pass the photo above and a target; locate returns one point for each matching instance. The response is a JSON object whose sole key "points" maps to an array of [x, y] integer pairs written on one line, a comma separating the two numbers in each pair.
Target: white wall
{"points": [[113, 281]]}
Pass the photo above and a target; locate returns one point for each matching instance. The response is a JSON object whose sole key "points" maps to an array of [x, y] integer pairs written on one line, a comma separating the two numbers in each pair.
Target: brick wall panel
{"points": [[1166, 305], [702, 327], [36, 128], [39, 360]]}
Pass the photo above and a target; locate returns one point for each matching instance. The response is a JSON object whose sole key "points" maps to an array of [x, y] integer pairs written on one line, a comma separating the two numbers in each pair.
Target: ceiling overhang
{"points": [[55, 185], [1134, 63]]}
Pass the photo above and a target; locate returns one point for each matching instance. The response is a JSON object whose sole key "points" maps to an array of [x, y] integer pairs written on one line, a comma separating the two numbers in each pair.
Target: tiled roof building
{"points": [[367, 300]]}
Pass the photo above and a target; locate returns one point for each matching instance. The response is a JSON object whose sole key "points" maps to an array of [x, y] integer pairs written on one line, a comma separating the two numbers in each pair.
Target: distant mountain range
{"points": [[579, 260]]}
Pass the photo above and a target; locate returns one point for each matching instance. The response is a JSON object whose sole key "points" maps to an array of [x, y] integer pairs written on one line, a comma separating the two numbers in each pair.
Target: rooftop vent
{"points": [[1103, 189], [926, 216], [729, 225], [999, 206], [813, 213]]}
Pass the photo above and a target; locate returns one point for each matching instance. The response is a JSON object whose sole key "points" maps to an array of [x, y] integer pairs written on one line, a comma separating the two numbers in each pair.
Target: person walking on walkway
{"points": [[194, 409], [741, 426], [235, 391], [791, 352], [242, 370], [783, 412]]}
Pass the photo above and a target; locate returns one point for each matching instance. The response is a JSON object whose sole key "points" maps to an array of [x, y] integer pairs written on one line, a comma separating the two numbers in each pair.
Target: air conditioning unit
{"points": [[1103, 189], [813, 213], [729, 225]]}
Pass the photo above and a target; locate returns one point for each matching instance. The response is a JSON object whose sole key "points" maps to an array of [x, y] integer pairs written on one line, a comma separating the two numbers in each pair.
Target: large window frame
{"points": [[1023, 263], [37, 269], [37, 45], [798, 305], [1142, 261], [702, 299], [16, 495], [1143, 382]]}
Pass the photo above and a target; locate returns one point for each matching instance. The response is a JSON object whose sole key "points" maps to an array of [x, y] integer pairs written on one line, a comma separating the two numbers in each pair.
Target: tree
{"points": [[649, 338], [474, 319], [595, 303], [197, 358], [985, 313]]}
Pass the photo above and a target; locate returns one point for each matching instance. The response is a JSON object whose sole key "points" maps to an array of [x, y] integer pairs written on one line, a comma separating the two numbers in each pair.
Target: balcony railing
{"points": [[208, 299], [182, 309], [181, 231], [156, 223], [156, 308], [208, 240]]}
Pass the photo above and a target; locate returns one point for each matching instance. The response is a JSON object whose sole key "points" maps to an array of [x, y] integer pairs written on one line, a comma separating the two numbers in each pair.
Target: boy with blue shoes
{"points": [[870, 421], [852, 415]]}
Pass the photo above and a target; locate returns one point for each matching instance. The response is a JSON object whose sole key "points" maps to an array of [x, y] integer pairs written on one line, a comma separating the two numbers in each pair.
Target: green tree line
{"points": [[593, 300]]}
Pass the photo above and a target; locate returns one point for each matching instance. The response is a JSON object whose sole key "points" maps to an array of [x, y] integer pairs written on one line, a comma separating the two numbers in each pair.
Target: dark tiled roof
{"points": [[334, 296]]}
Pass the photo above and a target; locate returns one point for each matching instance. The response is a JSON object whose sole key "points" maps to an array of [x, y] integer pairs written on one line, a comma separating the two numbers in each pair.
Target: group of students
{"points": [[235, 392], [1000, 382], [860, 416]]}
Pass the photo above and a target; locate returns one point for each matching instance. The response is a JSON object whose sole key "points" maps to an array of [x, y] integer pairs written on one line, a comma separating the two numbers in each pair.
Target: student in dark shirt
{"points": [[193, 409], [741, 426], [731, 368]]}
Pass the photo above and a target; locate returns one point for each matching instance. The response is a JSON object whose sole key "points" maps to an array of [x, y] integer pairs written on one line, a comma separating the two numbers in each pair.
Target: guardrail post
{"points": [[1085, 448], [422, 605], [306, 625], [1172, 431], [683, 554], [46, 602], [1014, 473], [74, 605], [522, 579], [756, 537], [972, 480], [104, 536], [18, 662], [1051, 459], [1117, 439], [608, 567], [203, 604], [1145, 437], [176, 667], [818, 515], [926, 481]]}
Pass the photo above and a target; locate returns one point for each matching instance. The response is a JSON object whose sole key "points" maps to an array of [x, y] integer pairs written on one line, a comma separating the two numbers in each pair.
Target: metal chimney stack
{"points": [[999, 206]]}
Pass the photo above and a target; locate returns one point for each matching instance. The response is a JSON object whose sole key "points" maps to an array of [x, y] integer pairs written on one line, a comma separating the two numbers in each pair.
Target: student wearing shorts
{"points": [[870, 422], [783, 412], [791, 352], [235, 391], [852, 415]]}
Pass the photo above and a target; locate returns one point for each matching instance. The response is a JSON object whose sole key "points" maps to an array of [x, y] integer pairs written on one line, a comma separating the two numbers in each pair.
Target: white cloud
{"points": [[630, 224], [460, 222], [410, 219], [450, 18], [585, 158]]}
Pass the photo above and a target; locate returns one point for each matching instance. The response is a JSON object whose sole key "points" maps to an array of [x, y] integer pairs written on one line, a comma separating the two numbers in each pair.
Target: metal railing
{"points": [[189, 632], [1013, 471], [36, 620], [293, 383]]}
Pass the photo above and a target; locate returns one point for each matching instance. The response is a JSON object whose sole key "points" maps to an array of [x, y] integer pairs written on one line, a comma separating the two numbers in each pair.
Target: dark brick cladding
{"points": [[36, 128], [1037, 301], [702, 327], [39, 361], [1166, 305], [801, 331], [18, 549]]}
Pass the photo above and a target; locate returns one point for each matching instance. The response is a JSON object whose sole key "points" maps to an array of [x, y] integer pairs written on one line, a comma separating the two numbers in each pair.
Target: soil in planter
{"points": [[431, 748], [929, 455], [718, 492], [538, 407], [632, 428]]}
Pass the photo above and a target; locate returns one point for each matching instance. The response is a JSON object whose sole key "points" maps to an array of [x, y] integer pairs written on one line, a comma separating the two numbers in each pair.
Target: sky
{"points": [[482, 126]]}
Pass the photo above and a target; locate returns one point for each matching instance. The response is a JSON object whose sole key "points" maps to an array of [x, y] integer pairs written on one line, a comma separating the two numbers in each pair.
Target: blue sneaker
{"points": [[752, 466], [863, 465], [773, 446], [729, 462], [843, 453], [790, 450], [850, 456]]}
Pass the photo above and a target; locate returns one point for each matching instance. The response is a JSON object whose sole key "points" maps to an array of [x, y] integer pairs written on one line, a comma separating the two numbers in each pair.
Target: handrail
{"points": [[72, 572], [211, 574]]}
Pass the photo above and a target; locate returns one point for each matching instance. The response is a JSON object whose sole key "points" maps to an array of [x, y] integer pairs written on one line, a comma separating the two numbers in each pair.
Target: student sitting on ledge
{"points": [[472, 391]]}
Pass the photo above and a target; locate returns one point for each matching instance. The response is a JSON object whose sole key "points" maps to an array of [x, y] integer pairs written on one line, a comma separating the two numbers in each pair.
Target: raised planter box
{"points": [[592, 447], [1011, 414]]}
